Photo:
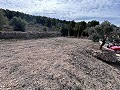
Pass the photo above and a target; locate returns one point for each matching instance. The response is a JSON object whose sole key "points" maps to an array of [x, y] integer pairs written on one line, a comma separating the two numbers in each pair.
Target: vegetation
{"points": [[92, 29], [27, 35], [3, 20], [94, 37], [18, 24]]}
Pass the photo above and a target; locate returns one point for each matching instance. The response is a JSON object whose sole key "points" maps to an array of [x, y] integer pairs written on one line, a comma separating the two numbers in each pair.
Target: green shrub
{"points": [[3, 20], [94, 37], [18, 24]]}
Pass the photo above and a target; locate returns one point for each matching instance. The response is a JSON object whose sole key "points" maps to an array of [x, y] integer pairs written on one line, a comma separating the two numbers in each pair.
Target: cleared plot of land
{"points": [[54, 64]]}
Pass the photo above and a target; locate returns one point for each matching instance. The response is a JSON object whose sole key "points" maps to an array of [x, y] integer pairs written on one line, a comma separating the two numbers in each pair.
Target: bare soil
{"points": [[54, 64]]}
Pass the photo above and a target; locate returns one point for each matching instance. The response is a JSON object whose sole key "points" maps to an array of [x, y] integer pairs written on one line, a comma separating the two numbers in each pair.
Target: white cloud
{"points": [[66, 9]]}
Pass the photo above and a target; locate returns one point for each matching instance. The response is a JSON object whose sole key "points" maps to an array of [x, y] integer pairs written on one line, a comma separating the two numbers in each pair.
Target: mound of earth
{"points": [[105, 55], [54, 64]]}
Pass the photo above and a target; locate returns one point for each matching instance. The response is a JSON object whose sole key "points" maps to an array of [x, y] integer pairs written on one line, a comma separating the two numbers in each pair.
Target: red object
{"points": [[115, 48]]}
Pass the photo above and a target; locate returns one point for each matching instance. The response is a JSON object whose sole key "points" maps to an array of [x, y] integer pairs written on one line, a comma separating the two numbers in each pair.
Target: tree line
{"points": [[92, 29]]}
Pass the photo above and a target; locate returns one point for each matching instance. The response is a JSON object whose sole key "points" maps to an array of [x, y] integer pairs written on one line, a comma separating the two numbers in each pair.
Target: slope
{"points": [[54, 64]]}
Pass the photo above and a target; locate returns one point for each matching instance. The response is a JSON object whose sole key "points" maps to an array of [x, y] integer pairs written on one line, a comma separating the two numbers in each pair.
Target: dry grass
{"points": [[27, 35], [54, 64]]}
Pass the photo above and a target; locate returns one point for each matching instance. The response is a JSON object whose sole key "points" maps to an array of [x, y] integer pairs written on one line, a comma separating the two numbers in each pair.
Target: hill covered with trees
{"points": [[92, 29]]}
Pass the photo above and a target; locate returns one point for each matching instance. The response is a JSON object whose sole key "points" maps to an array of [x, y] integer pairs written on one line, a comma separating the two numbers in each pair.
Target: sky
{"points": [[77, 10]]}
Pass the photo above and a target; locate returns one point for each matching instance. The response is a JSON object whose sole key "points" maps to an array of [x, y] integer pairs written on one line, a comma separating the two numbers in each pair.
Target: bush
{"points": [[85, 33], [18, 24], [3, 20], [94, 37], [27, 35]]}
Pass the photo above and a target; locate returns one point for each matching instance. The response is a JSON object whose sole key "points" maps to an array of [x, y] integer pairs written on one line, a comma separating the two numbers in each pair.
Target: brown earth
{"points": [[54, 64]]}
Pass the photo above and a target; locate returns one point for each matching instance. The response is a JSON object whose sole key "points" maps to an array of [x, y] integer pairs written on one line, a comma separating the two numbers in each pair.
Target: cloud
{"points": [[67, 9]]}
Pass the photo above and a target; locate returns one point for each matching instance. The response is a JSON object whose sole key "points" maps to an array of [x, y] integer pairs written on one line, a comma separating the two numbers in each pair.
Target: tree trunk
{"points": [[68, 32], [78, 34], [101, 46], [103, 43]]}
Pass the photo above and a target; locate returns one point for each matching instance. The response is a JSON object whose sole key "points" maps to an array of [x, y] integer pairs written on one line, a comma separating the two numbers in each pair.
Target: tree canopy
{"points": [[3, 20], [18, 24]]}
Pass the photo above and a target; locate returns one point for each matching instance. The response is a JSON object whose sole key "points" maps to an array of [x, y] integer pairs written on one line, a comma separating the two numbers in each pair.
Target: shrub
{"points": [[27, 35], [18, 24], [3, 20], [94, 37]]}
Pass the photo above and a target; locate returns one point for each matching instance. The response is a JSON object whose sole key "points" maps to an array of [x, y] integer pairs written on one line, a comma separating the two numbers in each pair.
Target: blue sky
{"points": [[68, 9]]}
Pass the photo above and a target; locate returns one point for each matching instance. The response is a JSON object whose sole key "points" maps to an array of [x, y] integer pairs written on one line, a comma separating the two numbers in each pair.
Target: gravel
{"points": [[55, 64]]}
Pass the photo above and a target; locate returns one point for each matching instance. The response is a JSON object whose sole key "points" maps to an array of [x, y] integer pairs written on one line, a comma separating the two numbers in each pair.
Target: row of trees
{"points": [[93, 29], [77, 29]]}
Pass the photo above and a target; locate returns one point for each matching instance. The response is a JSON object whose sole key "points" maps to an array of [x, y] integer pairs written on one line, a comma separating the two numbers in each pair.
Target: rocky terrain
{"points": [[55, 64]]}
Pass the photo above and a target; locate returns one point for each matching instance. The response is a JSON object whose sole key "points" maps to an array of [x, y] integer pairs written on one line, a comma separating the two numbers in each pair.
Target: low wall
{"points": [[27, 35]]}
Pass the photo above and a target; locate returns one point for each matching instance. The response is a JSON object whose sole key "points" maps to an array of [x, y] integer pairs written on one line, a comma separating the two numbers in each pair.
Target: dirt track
{"points": [[54, 64]]}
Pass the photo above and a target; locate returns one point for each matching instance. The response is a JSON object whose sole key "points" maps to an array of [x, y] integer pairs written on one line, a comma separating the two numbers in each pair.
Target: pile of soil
{"points": [[106, 55], [55, 64]]}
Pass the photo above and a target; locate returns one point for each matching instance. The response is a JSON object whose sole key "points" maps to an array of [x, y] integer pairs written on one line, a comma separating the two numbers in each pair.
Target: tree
{"points": [[48, 22], [93, 23], [80, 27], [53, 22], [77, 29], [18, 24], [83, 26], [107, 28], [104, 31], [70, 27], [64, 31], [3, 20]]}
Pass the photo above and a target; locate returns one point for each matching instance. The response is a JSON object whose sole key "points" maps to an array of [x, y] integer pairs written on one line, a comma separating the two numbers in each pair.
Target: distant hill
{"points": [[38, 21]]}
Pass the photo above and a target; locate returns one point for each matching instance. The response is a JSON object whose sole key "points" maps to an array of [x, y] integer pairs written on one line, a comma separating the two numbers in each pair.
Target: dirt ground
{"points": [[54, 64]]}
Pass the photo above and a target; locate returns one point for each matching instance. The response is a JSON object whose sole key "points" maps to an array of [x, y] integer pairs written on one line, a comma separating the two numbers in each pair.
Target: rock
{"points": [[105, 55]]}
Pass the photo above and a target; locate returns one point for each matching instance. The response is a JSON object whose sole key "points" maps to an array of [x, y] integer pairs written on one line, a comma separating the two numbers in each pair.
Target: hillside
{"points": [[54, 64], [92, 29], [30, 27]]}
